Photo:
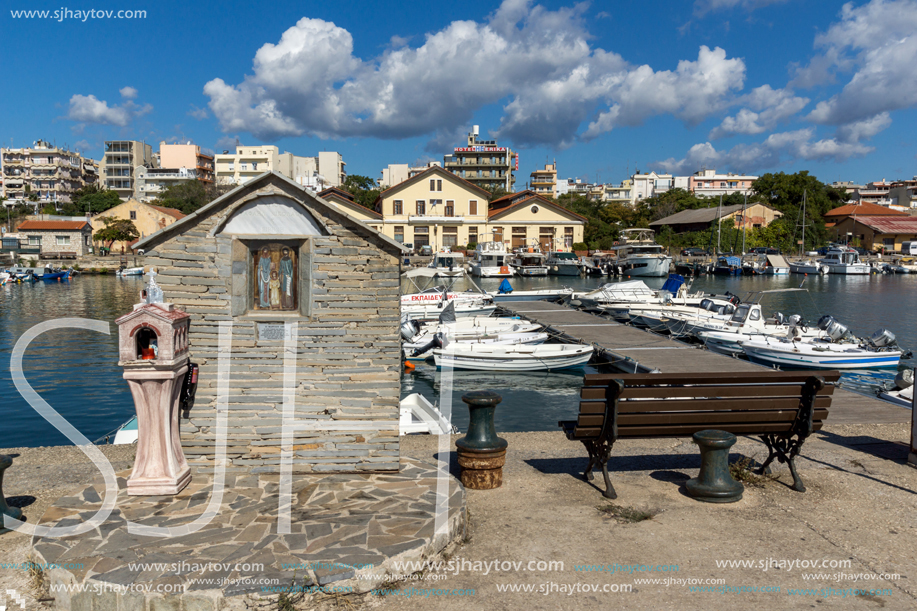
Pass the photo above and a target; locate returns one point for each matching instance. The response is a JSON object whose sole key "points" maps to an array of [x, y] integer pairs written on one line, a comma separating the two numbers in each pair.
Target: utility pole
{"points": [[744, 221], [719, 222]]}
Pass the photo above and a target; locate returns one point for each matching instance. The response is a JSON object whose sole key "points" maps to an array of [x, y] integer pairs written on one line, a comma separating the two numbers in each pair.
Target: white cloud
{"points": [[877, 42], [865, 129], [82, 145], [702, 7], [90, 109], [128, 93], [538, 63], [198, 113], [767, 107], [227, 143], [775, 150]]}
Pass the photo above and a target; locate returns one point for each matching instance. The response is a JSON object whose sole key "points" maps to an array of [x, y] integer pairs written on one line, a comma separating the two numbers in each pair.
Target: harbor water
{"points": [[76, 371]]}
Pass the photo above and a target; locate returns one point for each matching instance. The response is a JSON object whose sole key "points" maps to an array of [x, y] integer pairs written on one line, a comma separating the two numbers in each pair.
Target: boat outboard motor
{"points": [[836, 331], [409, 329], [779, 317], [824, 322], [665, 296], [707, 304], [794, 321], [904, 379], [436, 342], [882, 338]]}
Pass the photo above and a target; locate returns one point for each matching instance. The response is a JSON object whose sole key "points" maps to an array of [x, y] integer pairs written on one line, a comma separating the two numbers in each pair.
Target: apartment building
{"points": [[50, 173], [622, 194], [483, 163], [317, 173], [651, 185], [400, 172], [119, 165], [707, 183], [874, 193], [174, 163], [544, 182], [903, 194]]}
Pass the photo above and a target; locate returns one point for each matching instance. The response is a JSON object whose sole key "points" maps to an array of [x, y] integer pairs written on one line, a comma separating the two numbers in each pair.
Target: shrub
{"points": [[471, 246], [580, 246]]}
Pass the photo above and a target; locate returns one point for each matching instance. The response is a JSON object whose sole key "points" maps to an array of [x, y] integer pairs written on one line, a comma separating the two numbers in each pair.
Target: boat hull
{"points": [[848, 270], [652, 268], [806, 358], [496, 359], [563, 270]]}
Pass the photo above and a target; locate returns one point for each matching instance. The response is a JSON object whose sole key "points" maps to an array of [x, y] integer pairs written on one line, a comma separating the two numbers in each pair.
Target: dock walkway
{"points": [[633, 350]]}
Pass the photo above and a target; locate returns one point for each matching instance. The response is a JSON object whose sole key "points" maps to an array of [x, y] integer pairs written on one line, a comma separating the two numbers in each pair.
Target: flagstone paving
{"points": [[342, 527]]}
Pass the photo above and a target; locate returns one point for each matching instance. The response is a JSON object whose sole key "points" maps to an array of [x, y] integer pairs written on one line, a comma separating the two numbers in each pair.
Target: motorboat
{"points": [[130, 271], [477, 326], [774, 265], [844, 260], [546, 357], [462, 309], [448, 262], [903, 393], [632, 292], [728, 266], [418, 415], [533, 295], [491, 261], [839, 350], [809, 266], [590, 268], [659, 318], [563, 264], [529, 261], [420, 351], [640, 255]]}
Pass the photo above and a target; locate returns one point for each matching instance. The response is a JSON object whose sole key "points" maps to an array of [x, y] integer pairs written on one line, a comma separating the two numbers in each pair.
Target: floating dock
{"points": [[633, 350]]}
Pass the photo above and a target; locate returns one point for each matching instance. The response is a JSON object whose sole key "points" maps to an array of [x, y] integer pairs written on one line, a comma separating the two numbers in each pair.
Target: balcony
{"points": [[440, 219]]}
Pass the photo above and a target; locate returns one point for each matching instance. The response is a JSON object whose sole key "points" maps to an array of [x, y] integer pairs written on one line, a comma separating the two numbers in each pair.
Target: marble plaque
{"points": [[272, 332]]}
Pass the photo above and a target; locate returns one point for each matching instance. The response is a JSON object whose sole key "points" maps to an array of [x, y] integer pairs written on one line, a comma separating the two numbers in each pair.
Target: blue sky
{"points": [[748, 86]]}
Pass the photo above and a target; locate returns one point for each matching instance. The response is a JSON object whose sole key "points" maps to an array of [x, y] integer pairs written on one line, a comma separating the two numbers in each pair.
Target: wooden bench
{"points": [[783, 408]]}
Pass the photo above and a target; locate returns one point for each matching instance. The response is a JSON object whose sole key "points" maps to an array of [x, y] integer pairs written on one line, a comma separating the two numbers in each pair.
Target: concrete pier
{"points": [[633, 350]]}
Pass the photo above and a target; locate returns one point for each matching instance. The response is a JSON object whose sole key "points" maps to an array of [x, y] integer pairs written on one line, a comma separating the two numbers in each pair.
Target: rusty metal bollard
{"points": [[481, 454]]}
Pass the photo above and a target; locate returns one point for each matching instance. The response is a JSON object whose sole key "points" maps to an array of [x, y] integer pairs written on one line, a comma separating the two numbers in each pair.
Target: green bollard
{"points": [[481, 454], [714, 483], [6, 510]]}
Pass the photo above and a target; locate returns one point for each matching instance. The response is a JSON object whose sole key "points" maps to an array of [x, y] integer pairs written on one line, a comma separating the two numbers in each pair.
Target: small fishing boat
{"points": [[809, 266], [546, 357], [463, 309], [130, 271], [836, 351], [728, 266], [845, 261], [420, 351], [413, 331]]}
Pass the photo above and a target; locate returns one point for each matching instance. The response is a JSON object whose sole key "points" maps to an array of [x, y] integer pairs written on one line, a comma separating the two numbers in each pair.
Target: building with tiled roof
{"points": [[885, 232], [861, 209], [57, 239], [147, 218], [345, 202]]}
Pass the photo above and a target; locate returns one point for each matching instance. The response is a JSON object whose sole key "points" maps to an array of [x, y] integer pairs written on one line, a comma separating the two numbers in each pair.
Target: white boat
{"points": [[636, 292], [730, 343], [127, 434], [546, 357], [656, 317], [640, 255], [535, 295], [809, 266], [904, 398], [490, 261], [449, 263], [529, 262], [130, 271], [420, 351], [463, 309], [475, 326], [818, 354], [418, 415], [436, 294], [844, 260]]}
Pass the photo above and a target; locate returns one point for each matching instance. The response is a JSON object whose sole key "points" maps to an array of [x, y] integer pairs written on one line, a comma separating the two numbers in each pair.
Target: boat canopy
{"points": [[731, 261], [777, 261], [673, 283]]}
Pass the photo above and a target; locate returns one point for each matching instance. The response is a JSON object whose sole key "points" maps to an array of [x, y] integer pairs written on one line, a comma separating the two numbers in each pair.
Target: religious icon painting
{"points": [[275, 275]]}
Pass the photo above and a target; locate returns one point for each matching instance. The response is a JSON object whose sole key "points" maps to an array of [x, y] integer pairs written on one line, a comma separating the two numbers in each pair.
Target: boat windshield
{"points": [[741, 314], [565, 256], [646, 250]]}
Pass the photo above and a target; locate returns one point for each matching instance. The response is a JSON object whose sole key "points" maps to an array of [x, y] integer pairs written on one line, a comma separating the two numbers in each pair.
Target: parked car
{"points": [[425, 251], [772, 251], [758, 250], [693, 252]]}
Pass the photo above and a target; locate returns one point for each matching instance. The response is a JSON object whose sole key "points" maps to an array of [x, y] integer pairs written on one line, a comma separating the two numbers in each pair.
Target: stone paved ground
{"points": [[861, 507]]}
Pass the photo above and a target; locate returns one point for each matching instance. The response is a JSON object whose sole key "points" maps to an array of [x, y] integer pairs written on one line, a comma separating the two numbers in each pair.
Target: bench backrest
{"points": [[678, 405]]}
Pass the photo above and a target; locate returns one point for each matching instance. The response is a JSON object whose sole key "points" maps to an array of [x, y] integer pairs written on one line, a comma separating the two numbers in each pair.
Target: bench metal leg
{"points": [[785, 450], [598, 456], [610, 492]]}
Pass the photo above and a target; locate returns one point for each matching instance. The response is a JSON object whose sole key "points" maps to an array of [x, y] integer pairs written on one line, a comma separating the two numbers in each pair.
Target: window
{"points": [[34, 240], [244, 167], [450, 208], [421, 236], [433, 184], [450, 236], [254, 165], [399, 234], [439, 185], [889, 242], [63, 240], [472, 235], [473, 207], [518, 240], [133, 215], [421, 207], [397, 207]]}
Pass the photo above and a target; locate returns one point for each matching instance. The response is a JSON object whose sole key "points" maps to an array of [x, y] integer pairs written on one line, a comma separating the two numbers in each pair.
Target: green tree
{"points": [[784, 192], [496, 191], [363, 188], [186, 196], [116, 230], [90, 198]]}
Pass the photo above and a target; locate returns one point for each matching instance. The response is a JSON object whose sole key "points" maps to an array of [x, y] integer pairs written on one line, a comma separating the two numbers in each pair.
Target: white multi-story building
{"points": [[250, 161], [397, 173], [874, 193], [49, 172], [120, 162], [651, 185], [622, 194], [707, 183]]}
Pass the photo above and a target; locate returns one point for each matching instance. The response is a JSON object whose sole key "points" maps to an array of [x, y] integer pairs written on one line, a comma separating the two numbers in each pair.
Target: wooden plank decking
{"points": [[625, 345]]}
